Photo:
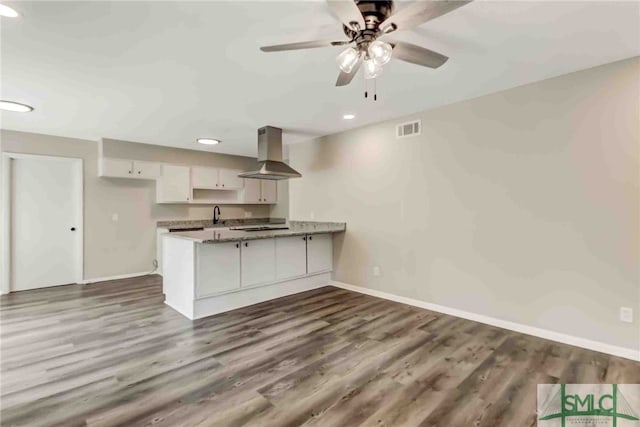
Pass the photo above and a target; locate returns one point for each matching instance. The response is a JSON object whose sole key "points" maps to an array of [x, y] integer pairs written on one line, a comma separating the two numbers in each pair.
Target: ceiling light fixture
{"points": [[8, 12], [348, 59], [15, 107], [371, 69], [349, 116], [380, 52], [208, 141]]}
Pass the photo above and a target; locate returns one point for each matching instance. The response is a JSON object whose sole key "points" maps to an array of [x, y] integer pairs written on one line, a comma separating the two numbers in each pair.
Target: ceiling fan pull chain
{"points": [[375, 89]]}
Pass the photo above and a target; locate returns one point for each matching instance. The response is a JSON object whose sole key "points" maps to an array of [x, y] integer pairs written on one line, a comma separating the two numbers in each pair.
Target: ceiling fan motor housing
{"points": [[373, 12]]}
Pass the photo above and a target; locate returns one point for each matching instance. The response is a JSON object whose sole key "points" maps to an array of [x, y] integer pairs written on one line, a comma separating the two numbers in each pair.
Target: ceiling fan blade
{"points": [[417, 55], [299, 45], [345, 78], [418, 13], [347, 12]]}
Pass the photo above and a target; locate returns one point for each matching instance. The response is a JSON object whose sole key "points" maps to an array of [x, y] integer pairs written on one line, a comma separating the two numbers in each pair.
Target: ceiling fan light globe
{"points": [[380, 52], [348, 59], [371, 69]]}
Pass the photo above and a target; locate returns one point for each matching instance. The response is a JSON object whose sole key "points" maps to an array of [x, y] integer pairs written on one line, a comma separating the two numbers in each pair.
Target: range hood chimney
{"points": [[270, 164]]}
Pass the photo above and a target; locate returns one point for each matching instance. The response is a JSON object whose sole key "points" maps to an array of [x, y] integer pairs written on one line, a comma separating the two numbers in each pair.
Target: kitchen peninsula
{"points": [[219, 269]]}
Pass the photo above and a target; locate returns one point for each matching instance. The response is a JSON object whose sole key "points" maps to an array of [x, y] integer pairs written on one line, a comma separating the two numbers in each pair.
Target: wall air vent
{"points": [[408, 129]]}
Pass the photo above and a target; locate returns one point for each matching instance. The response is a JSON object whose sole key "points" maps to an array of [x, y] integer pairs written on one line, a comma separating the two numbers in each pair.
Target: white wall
{"points": [[521, 205], [128, 245]]}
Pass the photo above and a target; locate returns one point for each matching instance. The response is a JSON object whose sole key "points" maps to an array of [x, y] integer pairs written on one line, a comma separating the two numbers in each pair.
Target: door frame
{"points": [[5, 214]]}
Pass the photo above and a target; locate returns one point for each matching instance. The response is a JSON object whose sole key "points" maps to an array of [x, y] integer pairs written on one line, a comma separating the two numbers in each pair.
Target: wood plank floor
{"points": [[113, 354]]}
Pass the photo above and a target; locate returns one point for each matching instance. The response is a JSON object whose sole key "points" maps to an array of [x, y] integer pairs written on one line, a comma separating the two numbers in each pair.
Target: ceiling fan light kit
{"points": [[367, 25], [371, 69], [380, 52], [348, 59]]}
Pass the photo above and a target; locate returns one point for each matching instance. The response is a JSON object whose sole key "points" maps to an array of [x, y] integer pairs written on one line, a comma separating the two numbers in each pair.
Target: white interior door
{"points": [[45, 222]]}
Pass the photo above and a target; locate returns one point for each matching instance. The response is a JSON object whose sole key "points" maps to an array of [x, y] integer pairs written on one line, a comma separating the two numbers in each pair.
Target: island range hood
{"points": [[270, 164]]}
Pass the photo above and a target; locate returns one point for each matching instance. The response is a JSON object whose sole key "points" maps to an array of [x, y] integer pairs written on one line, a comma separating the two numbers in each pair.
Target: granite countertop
{"points": [[296, 228], [208, 223]]}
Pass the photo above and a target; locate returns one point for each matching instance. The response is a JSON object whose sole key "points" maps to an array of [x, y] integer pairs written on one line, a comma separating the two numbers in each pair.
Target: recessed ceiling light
{"points": [[15, 106], [349, 116], [208, 141], [8, 12]]}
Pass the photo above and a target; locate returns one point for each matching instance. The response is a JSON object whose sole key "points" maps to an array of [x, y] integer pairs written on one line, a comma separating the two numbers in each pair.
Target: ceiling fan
{"points": [[367, 25]]}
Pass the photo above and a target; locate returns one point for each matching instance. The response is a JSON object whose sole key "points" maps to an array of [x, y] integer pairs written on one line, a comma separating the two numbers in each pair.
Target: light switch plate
{"points": [[626, 314]]}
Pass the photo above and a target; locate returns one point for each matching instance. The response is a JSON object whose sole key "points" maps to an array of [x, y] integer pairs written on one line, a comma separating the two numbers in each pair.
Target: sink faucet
{"points": [[216, 218]]}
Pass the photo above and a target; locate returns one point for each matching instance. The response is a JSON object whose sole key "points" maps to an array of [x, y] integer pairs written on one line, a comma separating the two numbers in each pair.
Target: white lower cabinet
{"points": [[291, 257], [217, 268], [258, 261], [319, 253]]}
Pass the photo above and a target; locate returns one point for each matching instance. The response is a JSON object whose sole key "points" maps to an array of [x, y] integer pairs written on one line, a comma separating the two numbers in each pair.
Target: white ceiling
{"points": [[168, 72]]}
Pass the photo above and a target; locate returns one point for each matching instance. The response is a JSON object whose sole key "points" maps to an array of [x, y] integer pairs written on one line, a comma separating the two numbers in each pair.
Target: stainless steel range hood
{"points": [[270, 164]]}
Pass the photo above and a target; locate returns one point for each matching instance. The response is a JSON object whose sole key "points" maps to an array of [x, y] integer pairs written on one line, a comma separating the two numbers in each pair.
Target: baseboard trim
{"points": [[624, 352], [107, 278]]}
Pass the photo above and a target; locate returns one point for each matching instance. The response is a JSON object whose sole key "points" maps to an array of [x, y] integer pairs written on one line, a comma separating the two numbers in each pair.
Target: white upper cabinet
{"points": [[252, 191], [258, 261], [204, 177], [319, 253], [260, 191], [174, 184], [216, 179], [229, 179], [116, 168], [123, 168], [146, 170], [269, 191]]}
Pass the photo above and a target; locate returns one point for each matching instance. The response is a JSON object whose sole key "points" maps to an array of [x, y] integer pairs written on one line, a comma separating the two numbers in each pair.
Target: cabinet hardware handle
{"points": [[216, 185], [304, 238], [187, 198], [73, 229], [237, 245], [246, 245], [310, 237], [223, 185], [138, 172], [130, 171]]}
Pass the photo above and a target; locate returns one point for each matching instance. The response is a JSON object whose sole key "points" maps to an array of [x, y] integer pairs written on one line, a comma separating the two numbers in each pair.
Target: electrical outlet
{"points": [[114, 217], [626, 314], [376, 271]]}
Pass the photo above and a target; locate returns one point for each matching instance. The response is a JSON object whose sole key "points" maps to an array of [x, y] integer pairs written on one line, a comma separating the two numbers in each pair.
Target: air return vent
{"points": [[408, 129]]}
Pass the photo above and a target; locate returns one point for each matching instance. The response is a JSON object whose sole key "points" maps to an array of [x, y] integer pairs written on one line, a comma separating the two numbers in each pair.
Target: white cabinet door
{"points": [[205, 178], [174, 184], [229, 179], [116, 168], [269, 191], [319, 253], [291, 257], [252, 191], [146, 170], [217, 268], [258, 261]]}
